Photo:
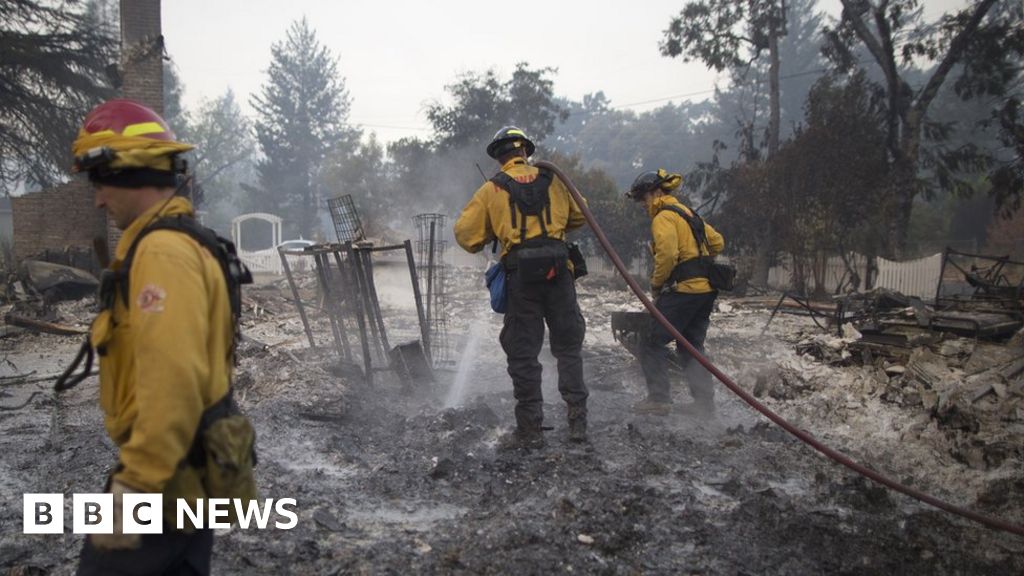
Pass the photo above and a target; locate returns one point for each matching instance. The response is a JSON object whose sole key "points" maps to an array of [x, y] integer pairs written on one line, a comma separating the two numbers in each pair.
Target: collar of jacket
{"points": [[176, 205], [663, 201], [517, 161]]}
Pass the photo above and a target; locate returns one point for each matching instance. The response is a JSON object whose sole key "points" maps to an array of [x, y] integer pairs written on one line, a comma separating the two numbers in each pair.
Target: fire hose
{"points": [[803, 436]]}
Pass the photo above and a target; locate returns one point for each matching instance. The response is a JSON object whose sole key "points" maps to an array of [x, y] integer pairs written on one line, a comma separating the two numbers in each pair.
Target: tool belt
{"points": [[720, 276], [537, 259], [688, 270]]}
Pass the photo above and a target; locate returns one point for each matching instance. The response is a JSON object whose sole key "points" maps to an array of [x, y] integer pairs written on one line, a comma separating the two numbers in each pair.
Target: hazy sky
{"points": [[397, 56]]}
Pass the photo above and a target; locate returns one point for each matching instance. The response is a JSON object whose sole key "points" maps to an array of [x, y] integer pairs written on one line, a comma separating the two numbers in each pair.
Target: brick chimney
{"points": [[142, 67], [142, 51], [63, 219]]}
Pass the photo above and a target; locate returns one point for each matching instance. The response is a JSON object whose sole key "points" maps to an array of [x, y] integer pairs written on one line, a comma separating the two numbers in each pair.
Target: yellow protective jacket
{"points": [[673, 242], [487, 215], [165, 357]]}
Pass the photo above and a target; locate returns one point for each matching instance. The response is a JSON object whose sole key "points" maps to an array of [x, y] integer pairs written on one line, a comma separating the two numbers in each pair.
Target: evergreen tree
{"points": [[725, 34], [224, 158], [302, 118], [53, 58], [175, 114]]}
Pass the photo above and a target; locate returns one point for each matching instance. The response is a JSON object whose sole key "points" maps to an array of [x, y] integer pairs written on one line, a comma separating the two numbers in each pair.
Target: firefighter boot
{"points": [[577, 423], [521, 439]]}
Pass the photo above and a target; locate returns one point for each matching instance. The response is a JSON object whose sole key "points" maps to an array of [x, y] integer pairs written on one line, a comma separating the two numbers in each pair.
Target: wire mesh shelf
{"points": [[434, 273], [346, 219]]}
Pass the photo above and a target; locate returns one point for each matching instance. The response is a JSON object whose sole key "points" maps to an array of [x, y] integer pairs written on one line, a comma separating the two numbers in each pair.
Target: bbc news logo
{"points": [[144, 513]]}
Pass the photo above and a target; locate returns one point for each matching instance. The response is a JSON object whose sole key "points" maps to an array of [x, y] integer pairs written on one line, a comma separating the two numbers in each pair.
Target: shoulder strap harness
{"points": [[235, 272], [694, 267], [531, 198], [117, 281]]}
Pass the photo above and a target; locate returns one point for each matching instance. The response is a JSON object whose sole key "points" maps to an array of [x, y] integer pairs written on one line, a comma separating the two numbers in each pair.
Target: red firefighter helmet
{"points": [[121, 135]]}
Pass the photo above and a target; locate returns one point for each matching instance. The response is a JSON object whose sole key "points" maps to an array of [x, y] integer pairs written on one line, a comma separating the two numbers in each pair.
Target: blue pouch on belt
{"points": [[499, 288]]}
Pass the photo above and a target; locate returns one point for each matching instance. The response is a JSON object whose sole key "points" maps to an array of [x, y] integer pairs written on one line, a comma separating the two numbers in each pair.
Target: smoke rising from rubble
{"points": [[448, 182]]}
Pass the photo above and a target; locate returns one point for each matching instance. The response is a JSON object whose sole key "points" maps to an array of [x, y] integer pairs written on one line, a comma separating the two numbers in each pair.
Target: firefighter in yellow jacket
{"points": [[164, 337], [682, 292], [529, 211]]}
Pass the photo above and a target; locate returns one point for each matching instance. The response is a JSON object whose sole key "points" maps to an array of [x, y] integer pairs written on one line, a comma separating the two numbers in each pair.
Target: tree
{"points": [[367, 177], [224, 157], [1007, 177], [624, 223], [53, 58], [483, 103], [302, 116], [623, 143], [175, 114], [985, 39], [725, 34], [831, 175], [828, 180]]}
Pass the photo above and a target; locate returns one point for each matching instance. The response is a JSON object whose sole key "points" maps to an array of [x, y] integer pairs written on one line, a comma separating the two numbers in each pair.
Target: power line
{"points": [[674, 96], [617, 106], [632, 104], [711, 90], [393, 127]]}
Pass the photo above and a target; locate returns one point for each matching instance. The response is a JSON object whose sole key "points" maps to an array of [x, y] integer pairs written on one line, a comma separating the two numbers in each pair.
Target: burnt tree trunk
{"points": [[906, 109], [767, 242]]}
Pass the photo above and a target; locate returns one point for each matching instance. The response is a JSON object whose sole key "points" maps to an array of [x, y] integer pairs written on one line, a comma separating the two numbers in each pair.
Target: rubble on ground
{"points": [[961, 366], [398, 478]]}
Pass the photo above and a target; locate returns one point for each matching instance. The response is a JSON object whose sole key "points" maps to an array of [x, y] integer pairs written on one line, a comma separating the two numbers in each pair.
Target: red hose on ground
{"points": [[803, 436]]}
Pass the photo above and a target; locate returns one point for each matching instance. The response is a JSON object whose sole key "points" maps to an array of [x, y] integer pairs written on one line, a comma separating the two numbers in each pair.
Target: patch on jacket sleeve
{"points": [[151, 298]]}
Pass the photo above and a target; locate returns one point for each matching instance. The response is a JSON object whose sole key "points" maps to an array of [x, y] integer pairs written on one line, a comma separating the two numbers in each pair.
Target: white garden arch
{"points": [[236, 227], [266, 260]]}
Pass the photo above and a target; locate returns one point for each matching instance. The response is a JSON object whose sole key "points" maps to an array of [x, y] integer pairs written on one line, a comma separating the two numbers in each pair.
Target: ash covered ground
{"points": [[391, 478]]}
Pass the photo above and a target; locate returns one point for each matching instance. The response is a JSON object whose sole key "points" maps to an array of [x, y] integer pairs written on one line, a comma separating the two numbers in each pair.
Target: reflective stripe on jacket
{"points": [[673, 242], [166, 356], [487, 215]]}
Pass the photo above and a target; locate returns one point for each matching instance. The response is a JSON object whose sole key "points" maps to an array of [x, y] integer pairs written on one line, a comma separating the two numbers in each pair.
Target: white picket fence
{"points": [[912, 277], [266, 261], [918, 278]]}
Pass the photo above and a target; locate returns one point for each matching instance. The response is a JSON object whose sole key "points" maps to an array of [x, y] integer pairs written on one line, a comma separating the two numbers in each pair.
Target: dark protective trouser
{"points": [[172, 553], [690, 314], [529, 306]]}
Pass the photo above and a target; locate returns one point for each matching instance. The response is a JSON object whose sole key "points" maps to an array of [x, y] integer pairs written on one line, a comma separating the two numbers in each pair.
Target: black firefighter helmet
{"points": [[651, 181], [508, 139]]}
